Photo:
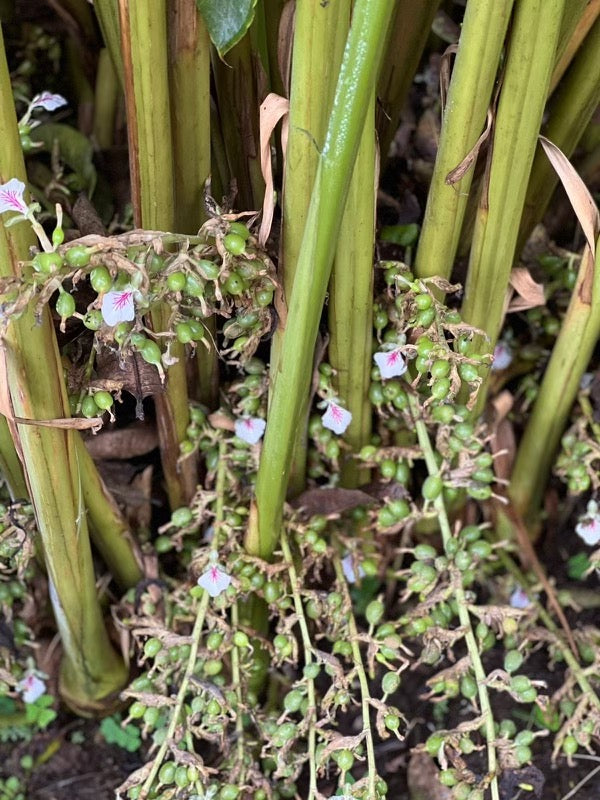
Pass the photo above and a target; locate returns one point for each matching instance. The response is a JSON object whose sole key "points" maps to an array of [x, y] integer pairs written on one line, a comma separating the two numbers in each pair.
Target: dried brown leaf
{"points": [[331, 501], [135, 440], [529, 293], [272, 109], [582, 201]]}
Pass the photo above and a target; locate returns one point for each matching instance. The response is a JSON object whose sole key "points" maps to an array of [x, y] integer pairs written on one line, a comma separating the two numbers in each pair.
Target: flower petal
{"points": [[336, 418], [215, 580], [519, 598], [11, 196], [31, 688], [48, 101], [250, 429], [118, 307], [589, 530], [502, 357], [349, 569], [391, 363]]}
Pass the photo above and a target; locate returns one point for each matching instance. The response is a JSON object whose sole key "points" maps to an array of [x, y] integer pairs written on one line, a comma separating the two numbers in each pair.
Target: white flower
{"points": [[118, 307], [502, 357], [519, 598], [350, 570], [588, 527], [11, 196], [250, 429], [215, 580], [336, 418], [31, 687], [48, 101], [391, 363]]}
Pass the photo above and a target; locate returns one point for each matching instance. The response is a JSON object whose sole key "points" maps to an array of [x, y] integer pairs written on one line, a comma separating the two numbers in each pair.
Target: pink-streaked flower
{"points": [[250, 429], [502, 357], [31, 688], [588, 527], [348, 566], [390, 362], [11, 197], [118, 306], [519, 598], [336, 418], [215, 580], [48, 101]]}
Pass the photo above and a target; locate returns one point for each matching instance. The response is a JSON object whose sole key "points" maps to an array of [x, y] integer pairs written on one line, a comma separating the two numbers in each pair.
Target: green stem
{"points": [[319, 35], [144, 37], [91, 671], [107, 12], [578, 18], [469, 96], [570, 357], [106, 97], [10, 466], [365, 695], [189, 64], [195, 636], [238, 103], [351, 303], [522, 99], [463, 612], [108, 529], [585, 686], [408, 36], [571, 110], [291, 382], [311, 711]]}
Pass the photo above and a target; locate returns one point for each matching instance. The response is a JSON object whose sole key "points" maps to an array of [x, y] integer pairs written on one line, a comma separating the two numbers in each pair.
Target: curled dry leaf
{"points": [[135, 440], [423, 780], [331, 501], [503, 442], [582, 201], [129, 372], [272, 109], [527, 293]]}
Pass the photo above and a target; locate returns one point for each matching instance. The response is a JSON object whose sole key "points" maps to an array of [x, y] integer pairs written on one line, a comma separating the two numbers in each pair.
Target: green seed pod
{"points": [[176, 281], [234, 244], [374, 612], [65, 305], [89, 408], [100, 279], [432, 487], [78, 256]]}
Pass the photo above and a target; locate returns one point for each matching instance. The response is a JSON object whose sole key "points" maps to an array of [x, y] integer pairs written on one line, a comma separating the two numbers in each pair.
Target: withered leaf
{"points": [[330, 501], [131, 372]]}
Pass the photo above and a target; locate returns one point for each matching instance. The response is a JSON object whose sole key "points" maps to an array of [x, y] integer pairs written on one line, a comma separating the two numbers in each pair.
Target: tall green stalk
{"points": [[522, 99], [570, 357], [571, 109], [578, 17], [351, 302], [10, 466], [189, 74], [238, 101], [291, 381], [144, 47], [91, 671], [469, 96], [107, 13], [408, 36], [106, 97], [319, 37]]}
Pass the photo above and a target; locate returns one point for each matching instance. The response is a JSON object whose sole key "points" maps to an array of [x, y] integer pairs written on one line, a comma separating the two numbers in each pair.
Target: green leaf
{"points": [[74, 149], [226, 21], [45, 717]]}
